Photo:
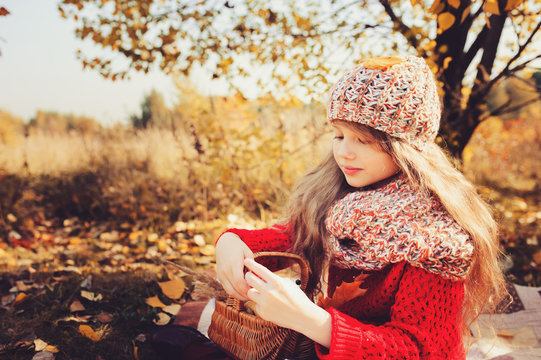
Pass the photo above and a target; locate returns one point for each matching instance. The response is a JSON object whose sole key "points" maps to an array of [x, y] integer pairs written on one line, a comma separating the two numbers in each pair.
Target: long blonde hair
{"points": [[430, 170]]}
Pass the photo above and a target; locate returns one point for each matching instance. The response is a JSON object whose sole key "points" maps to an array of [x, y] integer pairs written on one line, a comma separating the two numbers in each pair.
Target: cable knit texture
{"points": [[371, 229], [406, 313], [396, 95]]}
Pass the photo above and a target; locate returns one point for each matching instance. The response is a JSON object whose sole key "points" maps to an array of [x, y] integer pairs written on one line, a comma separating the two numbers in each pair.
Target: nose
{"points": [[344, 150]]}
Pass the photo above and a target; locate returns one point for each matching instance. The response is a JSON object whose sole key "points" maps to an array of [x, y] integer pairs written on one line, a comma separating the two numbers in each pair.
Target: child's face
{"points": [[360, 158]]}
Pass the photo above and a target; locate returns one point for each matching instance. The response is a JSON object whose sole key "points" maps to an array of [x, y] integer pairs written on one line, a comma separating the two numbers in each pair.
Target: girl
{"points": [[386, 203]]}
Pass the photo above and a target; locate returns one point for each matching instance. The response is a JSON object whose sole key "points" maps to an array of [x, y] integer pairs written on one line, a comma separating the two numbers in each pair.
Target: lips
{"points": [[350, 170]]}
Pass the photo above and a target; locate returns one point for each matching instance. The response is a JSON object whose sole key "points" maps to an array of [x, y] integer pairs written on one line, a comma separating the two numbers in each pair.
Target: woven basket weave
{"points": [[248, 337]]}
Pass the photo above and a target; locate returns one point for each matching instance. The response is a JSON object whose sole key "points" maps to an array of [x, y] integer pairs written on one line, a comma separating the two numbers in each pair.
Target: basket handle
{"points": [[305, 273]]}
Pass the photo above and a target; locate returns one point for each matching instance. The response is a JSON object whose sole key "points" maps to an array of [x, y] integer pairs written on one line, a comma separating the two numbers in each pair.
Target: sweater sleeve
{"points": [[276, 238], [424, 324]]}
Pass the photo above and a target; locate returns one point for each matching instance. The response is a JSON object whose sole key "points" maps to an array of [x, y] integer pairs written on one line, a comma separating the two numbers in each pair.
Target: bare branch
{"points": [[507, 70], [399, 24], [345, 6], [507, 108]]}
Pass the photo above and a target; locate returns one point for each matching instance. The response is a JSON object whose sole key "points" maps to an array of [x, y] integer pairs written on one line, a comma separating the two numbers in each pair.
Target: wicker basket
{"points": [[248, 337]]}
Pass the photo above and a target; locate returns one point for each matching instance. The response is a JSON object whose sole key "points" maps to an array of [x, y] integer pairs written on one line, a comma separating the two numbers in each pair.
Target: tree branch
{"points": [[506, 108], [507, 70], [399, 24]]}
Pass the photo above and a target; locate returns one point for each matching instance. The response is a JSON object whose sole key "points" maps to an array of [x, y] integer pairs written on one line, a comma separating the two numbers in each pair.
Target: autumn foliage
{"points": [[471, 45]]}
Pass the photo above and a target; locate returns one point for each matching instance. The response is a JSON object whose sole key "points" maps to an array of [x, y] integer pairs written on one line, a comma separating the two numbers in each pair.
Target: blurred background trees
{"points": [[303, 45]]}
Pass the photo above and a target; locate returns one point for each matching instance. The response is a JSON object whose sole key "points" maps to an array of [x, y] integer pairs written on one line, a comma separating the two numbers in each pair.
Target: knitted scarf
{"points": [[396, 222]]}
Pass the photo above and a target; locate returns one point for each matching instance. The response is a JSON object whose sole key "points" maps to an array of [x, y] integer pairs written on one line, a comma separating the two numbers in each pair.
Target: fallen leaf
{"points": [[104, 317], [87, 283], [199, 240], [74, 269], [20, 298], [173, 289], [208, 250], [155, 302], [163, 319], [91, 296], [8, 299], [22, 286], [40, 345], [27, 340], [88, 332], [172, 309], [162, 245], [43, 355], [71, 318], [344, 293], [51, 348], [204, 260], [77, 306]]}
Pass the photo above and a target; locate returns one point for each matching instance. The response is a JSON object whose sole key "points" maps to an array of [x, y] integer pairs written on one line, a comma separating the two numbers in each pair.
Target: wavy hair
{"points": [[431, 170]]}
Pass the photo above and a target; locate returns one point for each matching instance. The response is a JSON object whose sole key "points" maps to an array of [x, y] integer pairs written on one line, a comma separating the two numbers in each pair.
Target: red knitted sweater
{"points": [[406, 313]]}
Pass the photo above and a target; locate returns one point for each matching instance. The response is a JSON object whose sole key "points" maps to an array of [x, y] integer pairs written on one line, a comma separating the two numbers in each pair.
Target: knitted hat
{"points": [[396, 95]]}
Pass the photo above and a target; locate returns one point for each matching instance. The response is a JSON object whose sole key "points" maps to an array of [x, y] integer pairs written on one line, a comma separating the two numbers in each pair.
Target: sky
{"points": [[39, 69]]}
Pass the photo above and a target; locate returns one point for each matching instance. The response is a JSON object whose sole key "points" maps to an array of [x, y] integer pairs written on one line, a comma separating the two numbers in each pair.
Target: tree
{"points": [[470, 45], [154, 112]]}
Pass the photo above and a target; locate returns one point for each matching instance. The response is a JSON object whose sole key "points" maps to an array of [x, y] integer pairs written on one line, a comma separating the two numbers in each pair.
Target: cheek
{"points": [[335, 151], [388, 165], [383, 162]]}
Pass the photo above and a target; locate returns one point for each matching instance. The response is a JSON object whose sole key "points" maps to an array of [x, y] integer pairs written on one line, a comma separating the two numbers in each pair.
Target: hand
{"points": [[282, 302], [230, 254]]}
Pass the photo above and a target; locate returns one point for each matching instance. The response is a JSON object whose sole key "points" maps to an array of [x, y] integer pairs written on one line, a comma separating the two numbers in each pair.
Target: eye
{"points": [[362, 141], [338, 137]]}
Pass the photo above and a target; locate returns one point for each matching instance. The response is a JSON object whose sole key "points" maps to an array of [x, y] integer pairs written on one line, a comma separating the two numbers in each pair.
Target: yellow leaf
{"points": [[173, 289], [344, 293], [465, 14], [155, 302], [89, 295], [512, 4], [172, 309], [446, 62], [87, 331], [39, 345], [381, 62], [20, 298], [491, 6], [445, 21], [163, 319], [454, 3], [51, 348], [434, 6]]}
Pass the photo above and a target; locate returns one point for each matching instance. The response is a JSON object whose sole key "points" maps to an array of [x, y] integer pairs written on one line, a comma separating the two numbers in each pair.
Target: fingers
{"points": [[254, 281], [233, 292], [234, 285], [255, 296], [259, 270]]}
